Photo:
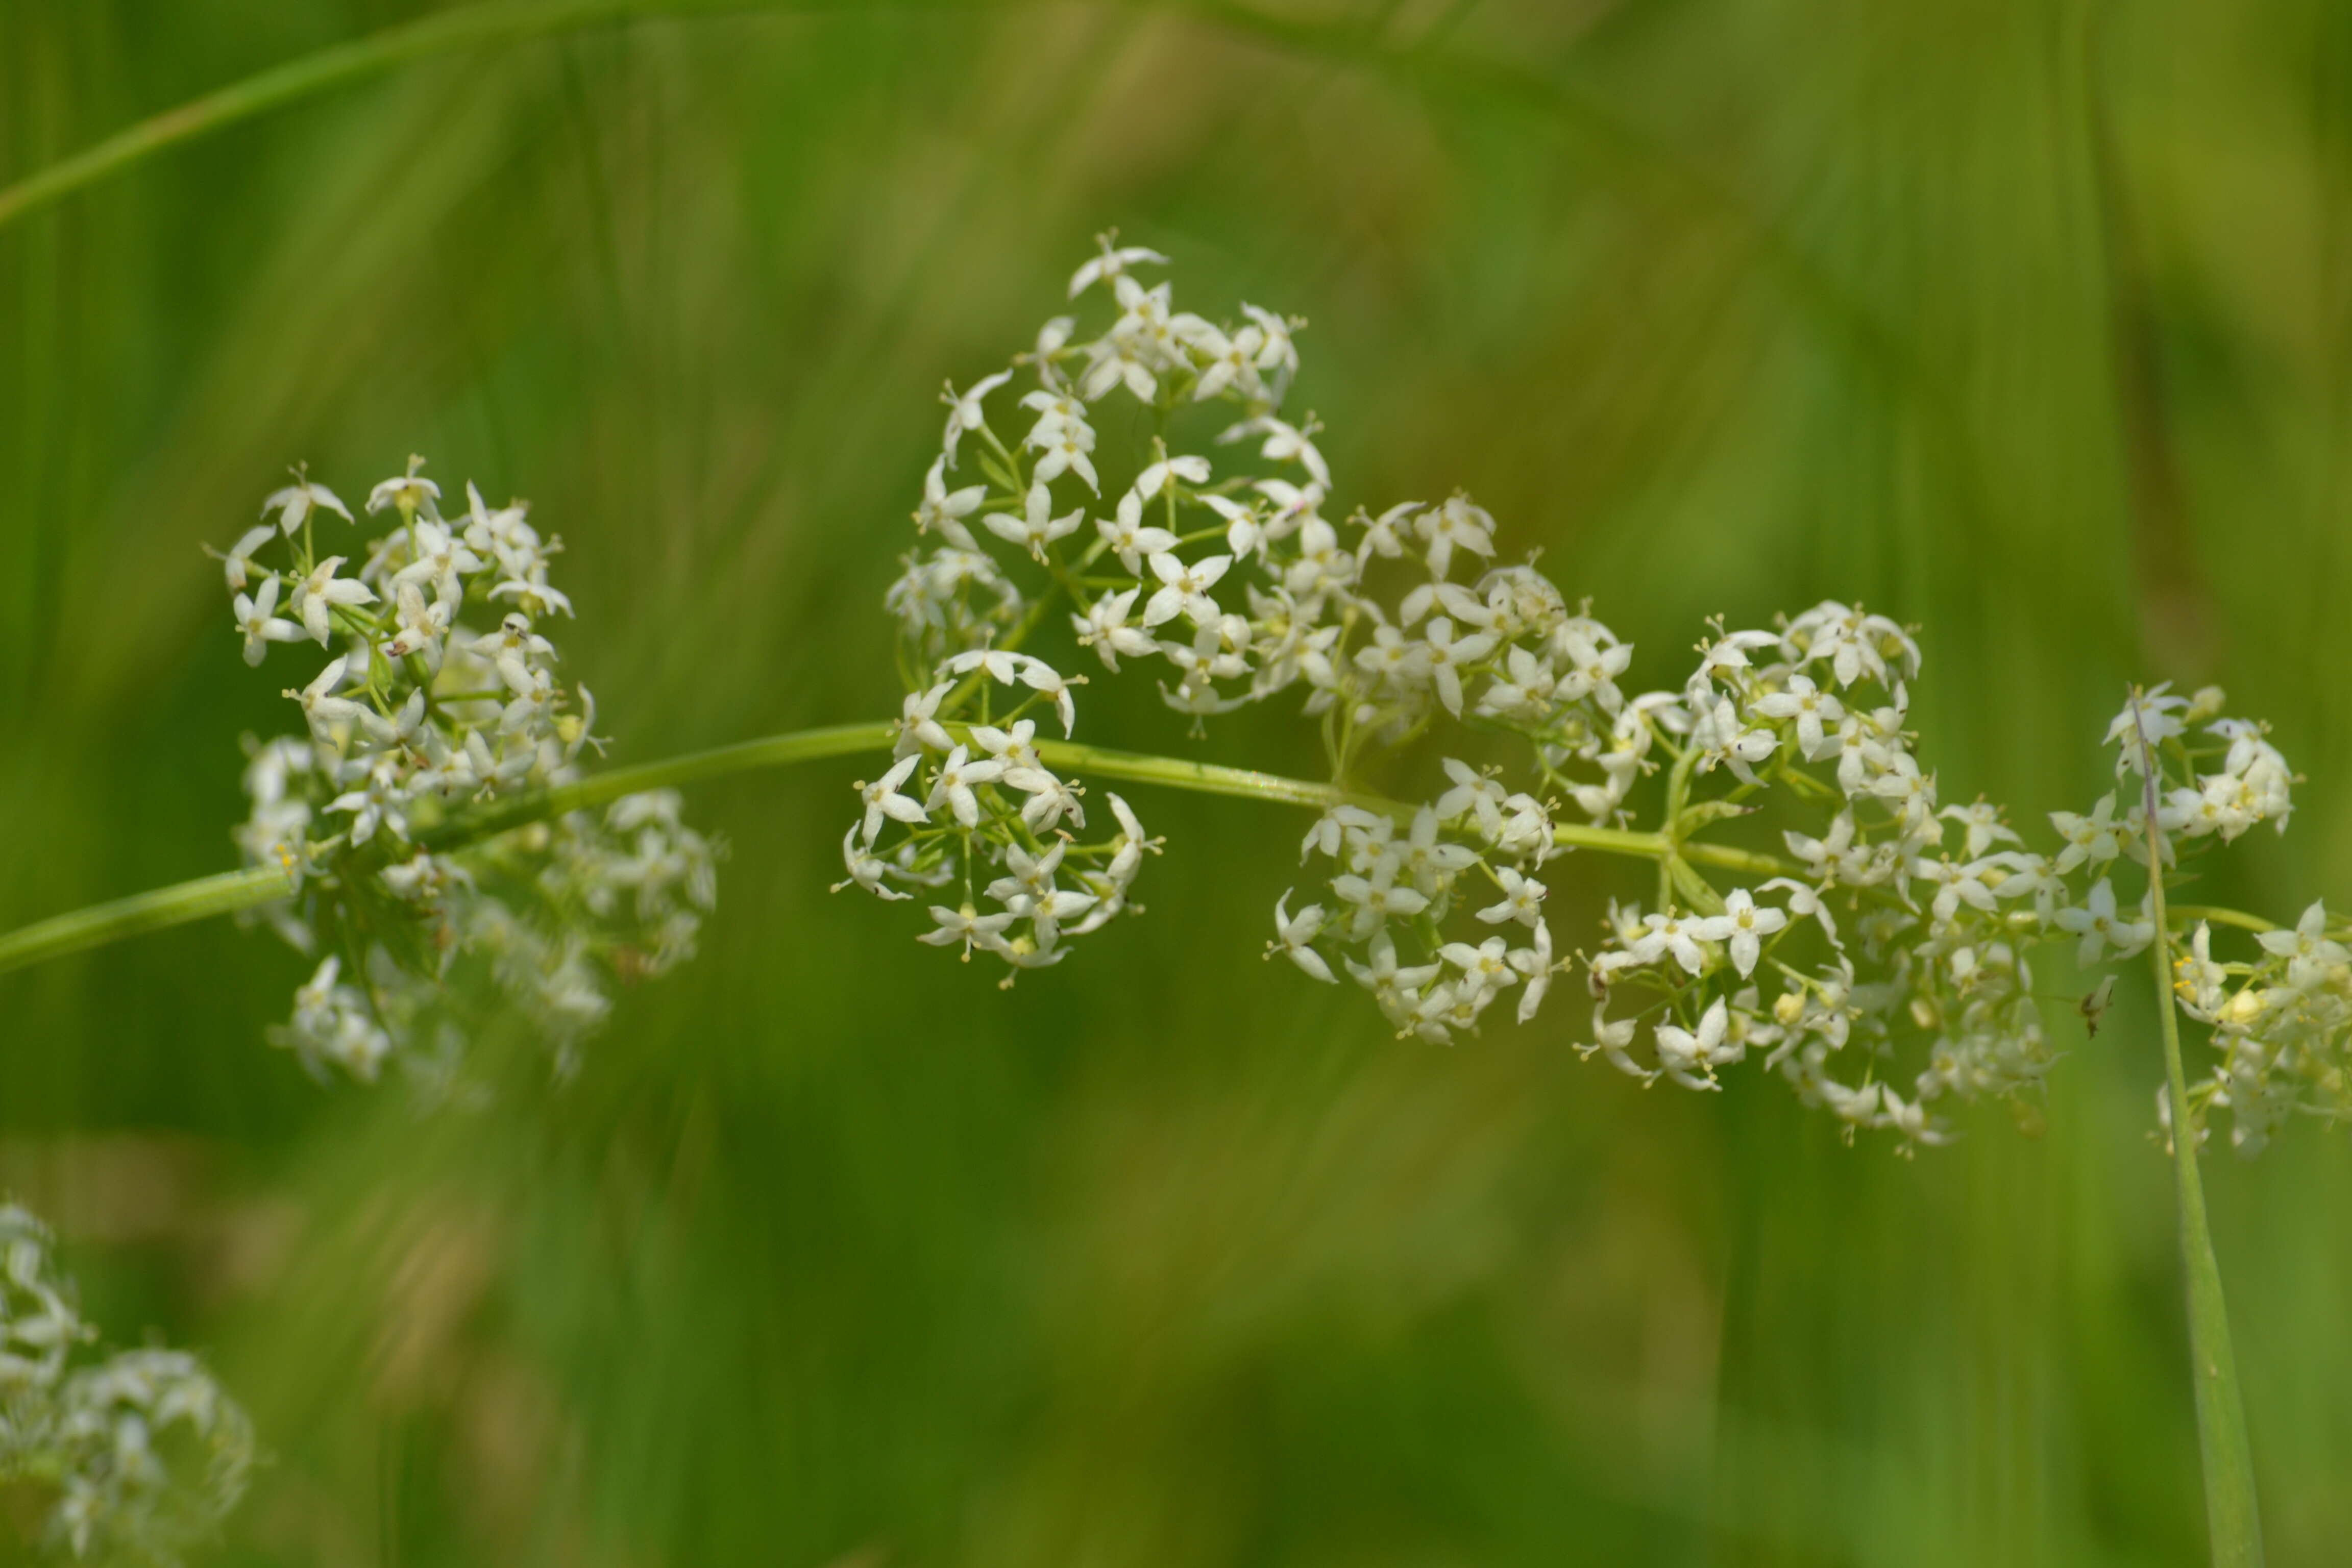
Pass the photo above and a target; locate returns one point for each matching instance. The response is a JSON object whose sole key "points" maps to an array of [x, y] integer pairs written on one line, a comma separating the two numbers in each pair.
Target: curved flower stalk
{"points": [[134, 1456], [443, 694], [1884, 968]]}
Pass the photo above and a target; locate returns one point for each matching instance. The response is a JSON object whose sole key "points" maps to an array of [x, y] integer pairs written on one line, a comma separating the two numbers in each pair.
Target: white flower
{"points": [[964, 411], [316, 595], [1110, 264], [953, 787], [1130, 540], [1106, 629], [411, 492], [236, 567], [257, 622], [967, 926], [1447, 656], [1473, 792], [945, 510], [419, 627], [1611, 1040], [321, 708], [1376, 897], [2097, 837], [377, 803], [2147, 722], [1690, 1057], [1486, 966], [1129, 844], [1671, 936], [1456, 525], [1039, 675], [918, 725], [1957, 882], [1064, 441], [1983, 825], [865, 870], [1037, 527], [1811, 707], [1433, 865], [1742, 926], [1522, 899], [297, 501], [1184, 589], [1805, 902], [1294, 933], [2311, 954], [1535, 963], [883, 800], [2100, 927]]}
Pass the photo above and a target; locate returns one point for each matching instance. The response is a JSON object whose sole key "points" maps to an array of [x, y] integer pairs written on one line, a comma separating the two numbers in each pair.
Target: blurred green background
{"points": [[2028, 321]]}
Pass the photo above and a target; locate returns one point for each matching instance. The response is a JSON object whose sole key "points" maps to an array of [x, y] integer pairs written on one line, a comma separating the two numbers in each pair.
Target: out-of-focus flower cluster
{"points": [[441, 693], [1882, 966], [134, 1456]]}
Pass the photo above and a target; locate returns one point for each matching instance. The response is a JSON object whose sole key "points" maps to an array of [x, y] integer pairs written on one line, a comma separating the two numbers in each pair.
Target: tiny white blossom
{"points": [[317, 595], [2098, 922], [970, 927], [257, 622], [964, 411], [1522, 899], [297, 501], [883, 800], [1110, 264], [1184, 589], [1293, 933], [1741, 927], [957, 777], [945, 510]]}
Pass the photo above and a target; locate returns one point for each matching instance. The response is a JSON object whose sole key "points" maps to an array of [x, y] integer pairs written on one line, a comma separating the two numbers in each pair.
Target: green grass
{"points": [[2027, 327]]}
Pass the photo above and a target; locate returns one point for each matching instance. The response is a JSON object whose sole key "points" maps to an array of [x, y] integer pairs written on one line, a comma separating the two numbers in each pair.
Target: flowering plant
{"points": [[435, 837]]}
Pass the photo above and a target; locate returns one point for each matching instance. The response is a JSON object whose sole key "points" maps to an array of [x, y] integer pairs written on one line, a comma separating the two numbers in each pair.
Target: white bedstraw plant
{"points": [[430, 836], [1882, 967], [132, 1456], [433, 691]]}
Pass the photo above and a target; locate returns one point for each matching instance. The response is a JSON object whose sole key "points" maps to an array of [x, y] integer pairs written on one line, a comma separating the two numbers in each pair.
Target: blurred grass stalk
{"points": [[444, 32], [2231, 1515]]}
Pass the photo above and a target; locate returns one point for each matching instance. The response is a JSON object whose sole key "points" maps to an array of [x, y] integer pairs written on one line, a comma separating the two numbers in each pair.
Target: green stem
{"points": [[2230, 1512], [2191, 913], [441, 33], [206, 897], [176, 905]]}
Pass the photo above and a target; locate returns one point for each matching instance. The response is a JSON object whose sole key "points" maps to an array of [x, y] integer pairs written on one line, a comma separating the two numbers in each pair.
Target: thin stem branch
{"points": [[2191, 913], [230, 891], [2230, 1514], [154, 910], [233, 890]]}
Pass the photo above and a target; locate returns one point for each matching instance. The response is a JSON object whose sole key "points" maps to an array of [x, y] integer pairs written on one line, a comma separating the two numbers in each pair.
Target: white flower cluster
{"points": [[1881, 969], [135, 1456], [1942, 905], [1393, 884], [976, 811], [415, 719], [2282, 1018], [1895, 941]]}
